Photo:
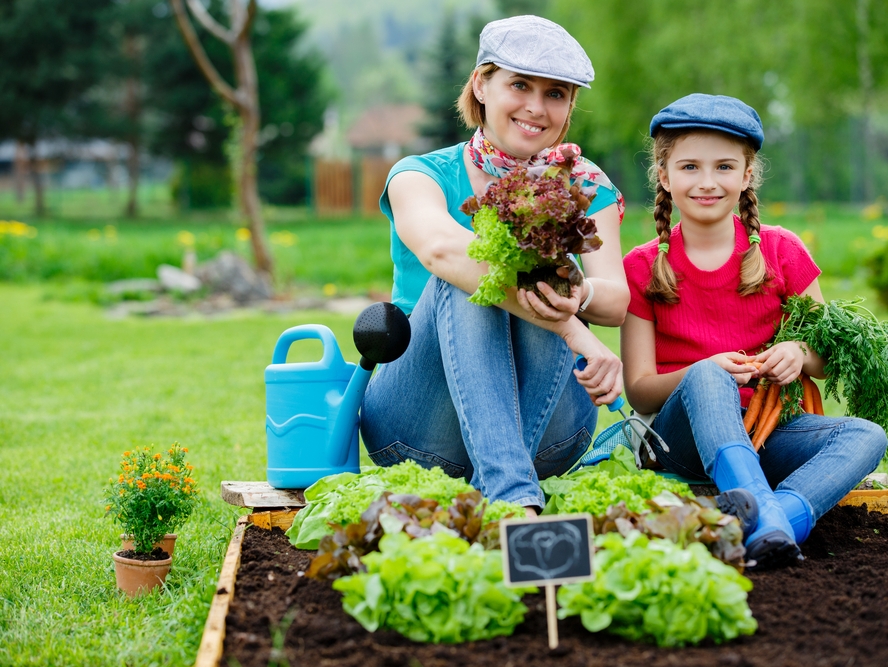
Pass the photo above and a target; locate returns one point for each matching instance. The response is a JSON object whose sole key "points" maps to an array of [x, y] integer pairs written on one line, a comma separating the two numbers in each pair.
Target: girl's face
{"points": [[706, 172], [523, 114]]}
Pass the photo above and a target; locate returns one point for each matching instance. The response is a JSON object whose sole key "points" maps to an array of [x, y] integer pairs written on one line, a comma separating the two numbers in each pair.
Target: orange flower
{"points": [[126, 453], [187, 489], [188, 480], [190, 467], [184, 449], [158, 475], [174, 468], [146, 475], [141, 485], [121, 478], [157, 456]]}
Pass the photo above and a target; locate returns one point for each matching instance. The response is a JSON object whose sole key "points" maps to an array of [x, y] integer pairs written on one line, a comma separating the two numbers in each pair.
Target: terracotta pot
{"points": [[168, 543], [137, 577]]}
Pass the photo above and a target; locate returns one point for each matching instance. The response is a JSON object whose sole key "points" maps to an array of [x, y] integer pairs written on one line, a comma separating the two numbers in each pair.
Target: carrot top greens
{"points": [[854, 346]]}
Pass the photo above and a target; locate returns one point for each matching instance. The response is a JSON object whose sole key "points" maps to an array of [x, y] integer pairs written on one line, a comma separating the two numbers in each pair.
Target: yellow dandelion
{"points": [[284, 238], [243, 234], [110, 232], [872, 212], [880, 232], [185, 238], [94, 235], [808, 237], [330, 289]]}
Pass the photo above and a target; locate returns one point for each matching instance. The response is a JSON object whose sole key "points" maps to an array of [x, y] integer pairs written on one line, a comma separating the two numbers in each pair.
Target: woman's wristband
{"points": [[585, 303]]}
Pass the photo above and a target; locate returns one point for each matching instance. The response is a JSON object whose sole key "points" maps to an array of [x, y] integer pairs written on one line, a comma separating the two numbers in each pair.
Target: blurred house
{"points": [[350, 168]]}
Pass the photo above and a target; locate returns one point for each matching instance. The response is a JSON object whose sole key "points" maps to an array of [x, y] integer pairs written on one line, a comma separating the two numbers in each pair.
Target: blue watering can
{"points": [[312, 408]]}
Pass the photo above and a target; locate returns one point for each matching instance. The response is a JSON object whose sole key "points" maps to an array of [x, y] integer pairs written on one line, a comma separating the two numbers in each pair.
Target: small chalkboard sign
{"points": [[548, 550]]}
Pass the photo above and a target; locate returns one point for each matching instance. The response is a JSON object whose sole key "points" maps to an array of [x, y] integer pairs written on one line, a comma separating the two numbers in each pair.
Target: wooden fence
{"points": [[343, 187]]}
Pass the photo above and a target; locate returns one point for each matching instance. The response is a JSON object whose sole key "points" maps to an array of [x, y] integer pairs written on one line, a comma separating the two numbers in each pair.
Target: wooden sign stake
{"points": [[547, 551], [550, 615]]}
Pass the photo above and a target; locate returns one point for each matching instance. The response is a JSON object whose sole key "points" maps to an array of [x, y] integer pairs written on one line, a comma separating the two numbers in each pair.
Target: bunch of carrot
{"points": [[763, 413]]}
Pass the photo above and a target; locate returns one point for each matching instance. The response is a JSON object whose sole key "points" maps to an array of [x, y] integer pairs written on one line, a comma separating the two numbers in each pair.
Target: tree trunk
{"points": [[248, 186], [865, 77], [34, 168], [132, 105], [244, 98], [20, 170]]}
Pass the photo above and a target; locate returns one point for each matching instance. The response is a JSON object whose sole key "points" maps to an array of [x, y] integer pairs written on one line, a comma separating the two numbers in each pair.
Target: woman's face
{"points": [[523, 114]]}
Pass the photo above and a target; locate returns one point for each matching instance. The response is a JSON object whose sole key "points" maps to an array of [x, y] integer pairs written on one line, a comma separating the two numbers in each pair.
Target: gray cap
{"points": [[535, 46]]}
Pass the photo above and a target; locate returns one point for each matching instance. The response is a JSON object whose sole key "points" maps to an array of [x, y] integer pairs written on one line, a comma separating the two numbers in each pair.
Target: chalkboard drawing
{"points": [[547, 553]]}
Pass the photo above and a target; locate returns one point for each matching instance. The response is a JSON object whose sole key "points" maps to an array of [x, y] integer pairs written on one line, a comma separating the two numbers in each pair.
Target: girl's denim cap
{"points": [[712, 112], [537, 47]]}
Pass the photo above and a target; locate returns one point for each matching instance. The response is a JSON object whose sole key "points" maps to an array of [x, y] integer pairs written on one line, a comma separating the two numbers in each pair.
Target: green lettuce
{"points": [[341, 499], [433, 589], [653, 589], [595, 488]]}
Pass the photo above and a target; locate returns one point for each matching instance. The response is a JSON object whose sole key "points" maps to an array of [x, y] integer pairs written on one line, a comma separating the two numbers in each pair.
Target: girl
{"points": [[489, 393], [705, 291]]}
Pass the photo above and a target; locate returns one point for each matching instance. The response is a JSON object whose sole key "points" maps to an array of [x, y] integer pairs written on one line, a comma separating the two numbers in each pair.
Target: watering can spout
{"points": [[346, 416]]}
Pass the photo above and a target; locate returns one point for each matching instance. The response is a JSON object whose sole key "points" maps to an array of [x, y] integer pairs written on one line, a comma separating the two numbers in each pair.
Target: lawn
{"points": [[78, 389]]}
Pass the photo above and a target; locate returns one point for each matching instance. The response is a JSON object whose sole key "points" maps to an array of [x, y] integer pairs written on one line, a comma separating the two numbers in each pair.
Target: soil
{"points": [[830, 610], [547, 274], [155, 554]]}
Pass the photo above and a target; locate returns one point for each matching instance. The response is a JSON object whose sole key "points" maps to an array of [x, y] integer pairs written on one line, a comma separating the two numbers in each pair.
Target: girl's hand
{"points": [[782, 363], [738, 365], [603, 376], [561, 308]]}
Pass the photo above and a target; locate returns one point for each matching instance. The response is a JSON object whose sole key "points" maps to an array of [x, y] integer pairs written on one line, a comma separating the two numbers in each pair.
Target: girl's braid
{"points": [[753, 269], [663, 286]]}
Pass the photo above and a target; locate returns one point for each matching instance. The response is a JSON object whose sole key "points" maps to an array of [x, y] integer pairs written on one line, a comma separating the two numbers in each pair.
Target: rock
{"points": [[133, 286], [174, 279], [231, 274]]}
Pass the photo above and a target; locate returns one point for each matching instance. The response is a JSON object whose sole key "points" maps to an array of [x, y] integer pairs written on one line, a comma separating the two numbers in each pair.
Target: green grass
{"points": [[77, 391]]}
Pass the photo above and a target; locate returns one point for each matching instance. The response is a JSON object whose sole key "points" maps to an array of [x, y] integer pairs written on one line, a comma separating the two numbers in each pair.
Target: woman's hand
{"points": [[738, 365], [782, 363], [561, 308], [603, 376]]}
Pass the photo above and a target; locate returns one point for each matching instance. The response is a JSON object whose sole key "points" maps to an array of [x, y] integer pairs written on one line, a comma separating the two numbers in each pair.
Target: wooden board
{"points": [[282, 519], [210, 651], [876, 499], [261, 494]]}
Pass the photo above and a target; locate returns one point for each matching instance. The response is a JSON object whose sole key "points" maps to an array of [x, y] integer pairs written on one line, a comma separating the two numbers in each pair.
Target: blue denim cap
{"points": [[535, 46], [712, 112]]}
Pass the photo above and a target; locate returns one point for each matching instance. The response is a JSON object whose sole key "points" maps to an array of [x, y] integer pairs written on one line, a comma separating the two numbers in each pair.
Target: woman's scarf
{"points": [[493, 161]]}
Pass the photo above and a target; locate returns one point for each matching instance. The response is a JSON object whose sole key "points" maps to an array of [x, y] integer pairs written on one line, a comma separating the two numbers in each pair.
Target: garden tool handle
{"points": [[618, 402]]}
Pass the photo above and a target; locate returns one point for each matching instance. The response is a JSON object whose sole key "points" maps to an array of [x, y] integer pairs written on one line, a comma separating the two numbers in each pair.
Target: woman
{"points": [[490, 393]]}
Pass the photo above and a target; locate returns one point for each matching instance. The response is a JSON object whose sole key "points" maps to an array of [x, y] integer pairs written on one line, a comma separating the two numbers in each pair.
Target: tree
{"points": [[450, 62], [50, 50], [244, 98]]}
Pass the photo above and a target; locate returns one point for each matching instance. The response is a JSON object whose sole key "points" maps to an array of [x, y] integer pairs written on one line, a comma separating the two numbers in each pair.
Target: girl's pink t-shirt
{"points": [[711, 317]]}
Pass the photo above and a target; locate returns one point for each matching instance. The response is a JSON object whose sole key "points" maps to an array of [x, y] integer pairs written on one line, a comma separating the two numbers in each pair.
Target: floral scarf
{"points": [[493, 161]]}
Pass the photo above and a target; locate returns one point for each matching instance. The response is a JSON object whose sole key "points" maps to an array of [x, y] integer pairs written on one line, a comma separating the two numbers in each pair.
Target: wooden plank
{"points": [[260, 494], [282, 519], [876, 500], [211, 644]]}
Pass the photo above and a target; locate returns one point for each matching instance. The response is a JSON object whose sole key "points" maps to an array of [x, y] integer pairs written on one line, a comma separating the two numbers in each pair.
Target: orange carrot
{"points": [[768, 423], [818, 399], [770, 400], [755, 406], [808, 396]]}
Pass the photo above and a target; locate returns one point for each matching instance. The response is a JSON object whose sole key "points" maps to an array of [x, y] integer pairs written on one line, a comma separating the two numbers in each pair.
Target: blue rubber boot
{"points": [[798, 511], [772, 543], [740, 503]]}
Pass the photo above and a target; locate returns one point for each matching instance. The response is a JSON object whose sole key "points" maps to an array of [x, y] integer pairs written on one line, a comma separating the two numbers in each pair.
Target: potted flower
{"points": [[153, 495]]}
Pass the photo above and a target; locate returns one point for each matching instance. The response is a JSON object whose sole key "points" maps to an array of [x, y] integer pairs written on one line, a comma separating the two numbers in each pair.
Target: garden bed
{"points": [[832, 609]]}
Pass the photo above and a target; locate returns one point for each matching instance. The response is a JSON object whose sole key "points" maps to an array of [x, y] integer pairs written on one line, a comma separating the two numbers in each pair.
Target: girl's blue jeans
{"points": [[482, 394], [822, 458]]}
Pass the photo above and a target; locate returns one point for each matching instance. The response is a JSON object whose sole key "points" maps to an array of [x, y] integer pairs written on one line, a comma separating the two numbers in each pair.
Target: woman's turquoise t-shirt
{"points": [[447, 168]]}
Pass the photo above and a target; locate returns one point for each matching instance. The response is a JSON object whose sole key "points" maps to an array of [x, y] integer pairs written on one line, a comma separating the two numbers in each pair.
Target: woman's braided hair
{"points": [[663, 287]]}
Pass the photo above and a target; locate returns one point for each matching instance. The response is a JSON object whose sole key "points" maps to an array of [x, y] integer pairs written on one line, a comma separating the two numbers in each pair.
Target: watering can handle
{"points": [[580, 364], [332, 354]]}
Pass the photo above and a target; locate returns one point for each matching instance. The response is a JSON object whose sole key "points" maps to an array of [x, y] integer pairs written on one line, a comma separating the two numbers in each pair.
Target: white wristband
{"points": [[585, 303]]}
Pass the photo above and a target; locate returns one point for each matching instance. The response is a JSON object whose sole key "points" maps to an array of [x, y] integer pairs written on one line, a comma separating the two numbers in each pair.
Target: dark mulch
{"points": [[831, 610]]}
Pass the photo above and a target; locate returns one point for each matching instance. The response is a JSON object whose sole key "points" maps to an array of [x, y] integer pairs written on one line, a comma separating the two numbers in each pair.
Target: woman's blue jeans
{"points": [[482, 394], [822, 458]]}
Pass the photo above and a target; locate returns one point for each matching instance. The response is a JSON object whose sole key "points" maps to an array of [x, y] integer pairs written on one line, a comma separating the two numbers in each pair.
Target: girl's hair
{"points": [[754, 276], [471, 111]]}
